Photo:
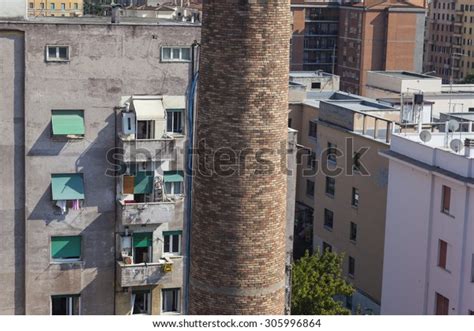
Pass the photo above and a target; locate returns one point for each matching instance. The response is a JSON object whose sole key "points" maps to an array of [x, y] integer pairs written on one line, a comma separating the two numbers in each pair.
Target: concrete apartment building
{"points": [[350, 38], [394, 87], [430, 211], [68, 8], [71, 232], [449, 46], [347, 211]]}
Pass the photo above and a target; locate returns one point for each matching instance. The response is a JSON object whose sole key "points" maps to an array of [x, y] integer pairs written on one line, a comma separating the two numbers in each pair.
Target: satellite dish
{"points": [[456, 145], [425, 136], [453, 126]]}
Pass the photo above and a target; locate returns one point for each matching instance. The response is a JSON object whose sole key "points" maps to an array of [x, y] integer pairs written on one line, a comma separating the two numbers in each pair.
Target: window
{"points": [[141, 302], [289, 122], [32, 5], [53, 6], [174, 120], [442, 254], [172, 242], [356, 165], [66, 248], [65, 305], [146, 129], [76, 5], [316, 85], [470, 312], [313, 129], [173, 182], [328, 218], [442, 305], [446, 199], [332, 152], [326, 247], [170, 300], [63, 6], [353, 232], [355, 197], [351, 269], [175, 54], [41, 5], [142, 247], [57, 53], [312, 160], [69, 123], [310, 188], [330, 186]]}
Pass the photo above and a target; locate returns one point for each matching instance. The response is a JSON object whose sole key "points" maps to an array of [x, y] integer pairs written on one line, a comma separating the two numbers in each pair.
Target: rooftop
{"points": [[310, 74], [98, 20], [406, 75]]}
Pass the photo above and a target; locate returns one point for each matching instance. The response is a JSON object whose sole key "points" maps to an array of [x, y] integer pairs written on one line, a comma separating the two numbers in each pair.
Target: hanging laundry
{"points": [[76, 204], [62, 206]]}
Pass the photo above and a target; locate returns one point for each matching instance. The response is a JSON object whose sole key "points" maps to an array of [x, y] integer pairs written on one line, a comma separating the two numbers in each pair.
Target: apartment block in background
{"points": [[449, 47], [378, 35], [344, 212], [55, 7], [429, 251], [315, 32], [75, 238]]}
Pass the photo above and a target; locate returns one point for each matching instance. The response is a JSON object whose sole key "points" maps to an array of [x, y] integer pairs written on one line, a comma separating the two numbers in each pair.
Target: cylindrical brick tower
{"points": [[239, 191]]}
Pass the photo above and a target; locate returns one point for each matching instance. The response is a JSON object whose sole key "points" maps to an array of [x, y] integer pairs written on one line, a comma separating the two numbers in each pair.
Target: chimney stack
{"points": [[239, 190]]}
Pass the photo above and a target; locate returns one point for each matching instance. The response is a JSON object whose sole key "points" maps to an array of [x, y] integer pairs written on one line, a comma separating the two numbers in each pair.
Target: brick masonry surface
{"points": [[238, 229]]}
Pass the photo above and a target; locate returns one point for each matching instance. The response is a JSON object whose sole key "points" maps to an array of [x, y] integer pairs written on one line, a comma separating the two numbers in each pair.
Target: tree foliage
{"points": [[316, 282], [469, 79]]}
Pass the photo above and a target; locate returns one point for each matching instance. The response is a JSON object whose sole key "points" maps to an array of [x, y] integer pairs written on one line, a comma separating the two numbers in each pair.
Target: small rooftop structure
{"points": [[315, 80], [401, 82]]}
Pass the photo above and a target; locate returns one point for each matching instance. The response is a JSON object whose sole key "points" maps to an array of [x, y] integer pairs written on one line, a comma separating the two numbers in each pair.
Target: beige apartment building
{"points": [[449, 46], [347, 209], [55, 7]]}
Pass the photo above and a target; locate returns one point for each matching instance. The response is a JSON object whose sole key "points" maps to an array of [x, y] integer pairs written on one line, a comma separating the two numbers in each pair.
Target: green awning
{"points": [[173, 176], [143, 182], [66, 247], [66, 122], [172, 233], [143, 239], [67, 186]]}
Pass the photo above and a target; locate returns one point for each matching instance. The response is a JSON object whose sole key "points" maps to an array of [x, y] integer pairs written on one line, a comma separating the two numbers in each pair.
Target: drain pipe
{"points": [[191, 93]]}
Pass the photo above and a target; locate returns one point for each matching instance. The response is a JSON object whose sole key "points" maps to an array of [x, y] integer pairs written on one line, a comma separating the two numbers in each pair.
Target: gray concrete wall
{"points": [[12, 151], [107, 62]]}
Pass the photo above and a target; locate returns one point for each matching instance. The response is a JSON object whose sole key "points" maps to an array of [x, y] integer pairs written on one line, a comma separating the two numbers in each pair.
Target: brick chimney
{"points": [[238, 219]]}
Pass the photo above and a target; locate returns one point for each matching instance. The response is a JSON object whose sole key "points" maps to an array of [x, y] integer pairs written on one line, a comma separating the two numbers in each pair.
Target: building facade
{"points": [[73, 229], [449, 44], [430, 210], [55, 7], [341, 204]]}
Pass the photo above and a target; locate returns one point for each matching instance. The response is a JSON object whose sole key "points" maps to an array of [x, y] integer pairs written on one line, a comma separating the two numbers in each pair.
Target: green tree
{"points": [[316, 282], [469, 79]]}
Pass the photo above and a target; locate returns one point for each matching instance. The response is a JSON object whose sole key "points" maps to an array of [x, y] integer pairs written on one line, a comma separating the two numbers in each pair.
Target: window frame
{"points": [[170, 114], [443, 247], [177, 60], [172, 235], [178, 303], [355, 201], [57, 58], [310, 188], [327, 213], [313, 129], [332, 152], [330, 187], [446, 194], [351, 266], [148, 300], [70, 299], [353, 232]]}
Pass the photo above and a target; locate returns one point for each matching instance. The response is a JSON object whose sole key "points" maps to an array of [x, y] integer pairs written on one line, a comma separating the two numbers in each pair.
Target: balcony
{"points": [[145, 274], [151, 213], [143, 150]]}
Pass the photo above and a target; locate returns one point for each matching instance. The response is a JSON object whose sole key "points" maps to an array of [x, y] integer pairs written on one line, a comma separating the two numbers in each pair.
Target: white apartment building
{"points": [[429, 234]]}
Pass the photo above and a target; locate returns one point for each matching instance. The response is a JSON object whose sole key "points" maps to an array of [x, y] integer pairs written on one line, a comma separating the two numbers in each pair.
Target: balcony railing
{"points": [[151, 212], [150, 149], [145, 274]]}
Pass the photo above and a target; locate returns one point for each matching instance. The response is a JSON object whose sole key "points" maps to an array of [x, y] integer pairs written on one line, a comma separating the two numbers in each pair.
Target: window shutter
{"points": [[128, 184], [173, 176], [68, 122], [142, 239], [66, 247], [143, 182], [67, 186]]}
